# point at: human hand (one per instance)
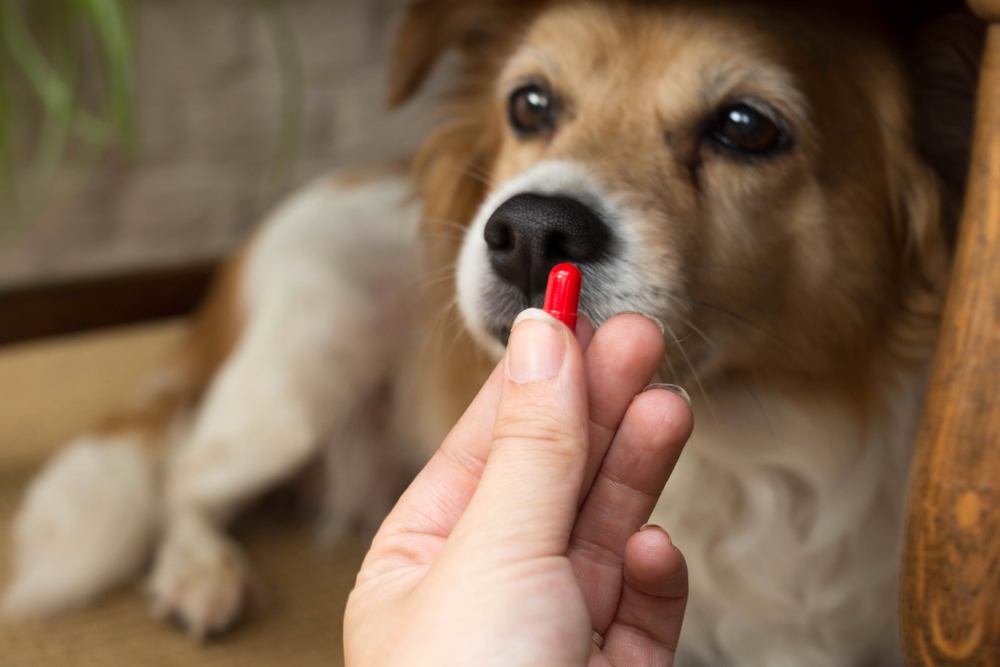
(520, 538)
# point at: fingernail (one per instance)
(583, 315)
(671, 388)
(652, 319)
(536, 347)
(653, 526)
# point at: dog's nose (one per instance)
(529, 234)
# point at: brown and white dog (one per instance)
(748, 176)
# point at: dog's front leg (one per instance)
(315, 348)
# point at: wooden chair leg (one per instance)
(950, 588)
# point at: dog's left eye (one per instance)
(741, 128)
(531, 109)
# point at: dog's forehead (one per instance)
(677, 51)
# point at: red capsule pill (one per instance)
(562, 295)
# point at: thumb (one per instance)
(525, 504)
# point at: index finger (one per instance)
(620, 361)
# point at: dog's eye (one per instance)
(742, 128)
(531, 110)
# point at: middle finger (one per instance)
(632, 475)
(620, 360)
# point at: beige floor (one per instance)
(53, 389)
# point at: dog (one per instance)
(764, 181)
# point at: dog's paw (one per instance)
(200, 579)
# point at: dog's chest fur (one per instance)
(789, 513)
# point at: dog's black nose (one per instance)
(529, 234)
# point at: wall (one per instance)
(210, 107)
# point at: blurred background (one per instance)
(140, 142)
(140, 135)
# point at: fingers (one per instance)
(647, 625)
(440, 493)
(620, 360)
(584, 330)
(526, 501)
(628, 484)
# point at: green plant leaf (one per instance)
(292, 90)
(111, 24)
(22, 47)
(8, 184)
(54, 79)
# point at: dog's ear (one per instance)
(944, 71)
(432, 27)
(916, 197)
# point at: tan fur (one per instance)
(881, 301)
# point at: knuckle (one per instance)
(547, 434)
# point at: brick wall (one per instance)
(210, 109)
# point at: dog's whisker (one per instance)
(704, 337)
(484, 173)
(670, 367)
(458, 327)
(688, 322)
(453, 330)
(445, 235)
(438, 276)
(450, 266)
(434, 325)
(482, 176)
(758, 403)
(744, 381)
(433, 282)
(694, 373)
(727, 313)
(446, 222)
(678, 342)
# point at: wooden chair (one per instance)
(950, 588)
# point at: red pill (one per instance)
(562, 295)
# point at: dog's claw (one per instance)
(202, 581)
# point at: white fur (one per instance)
(86, 526)
(326, 306)
(789, 514)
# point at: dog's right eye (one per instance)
(531, 109)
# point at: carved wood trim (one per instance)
(950, 588)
